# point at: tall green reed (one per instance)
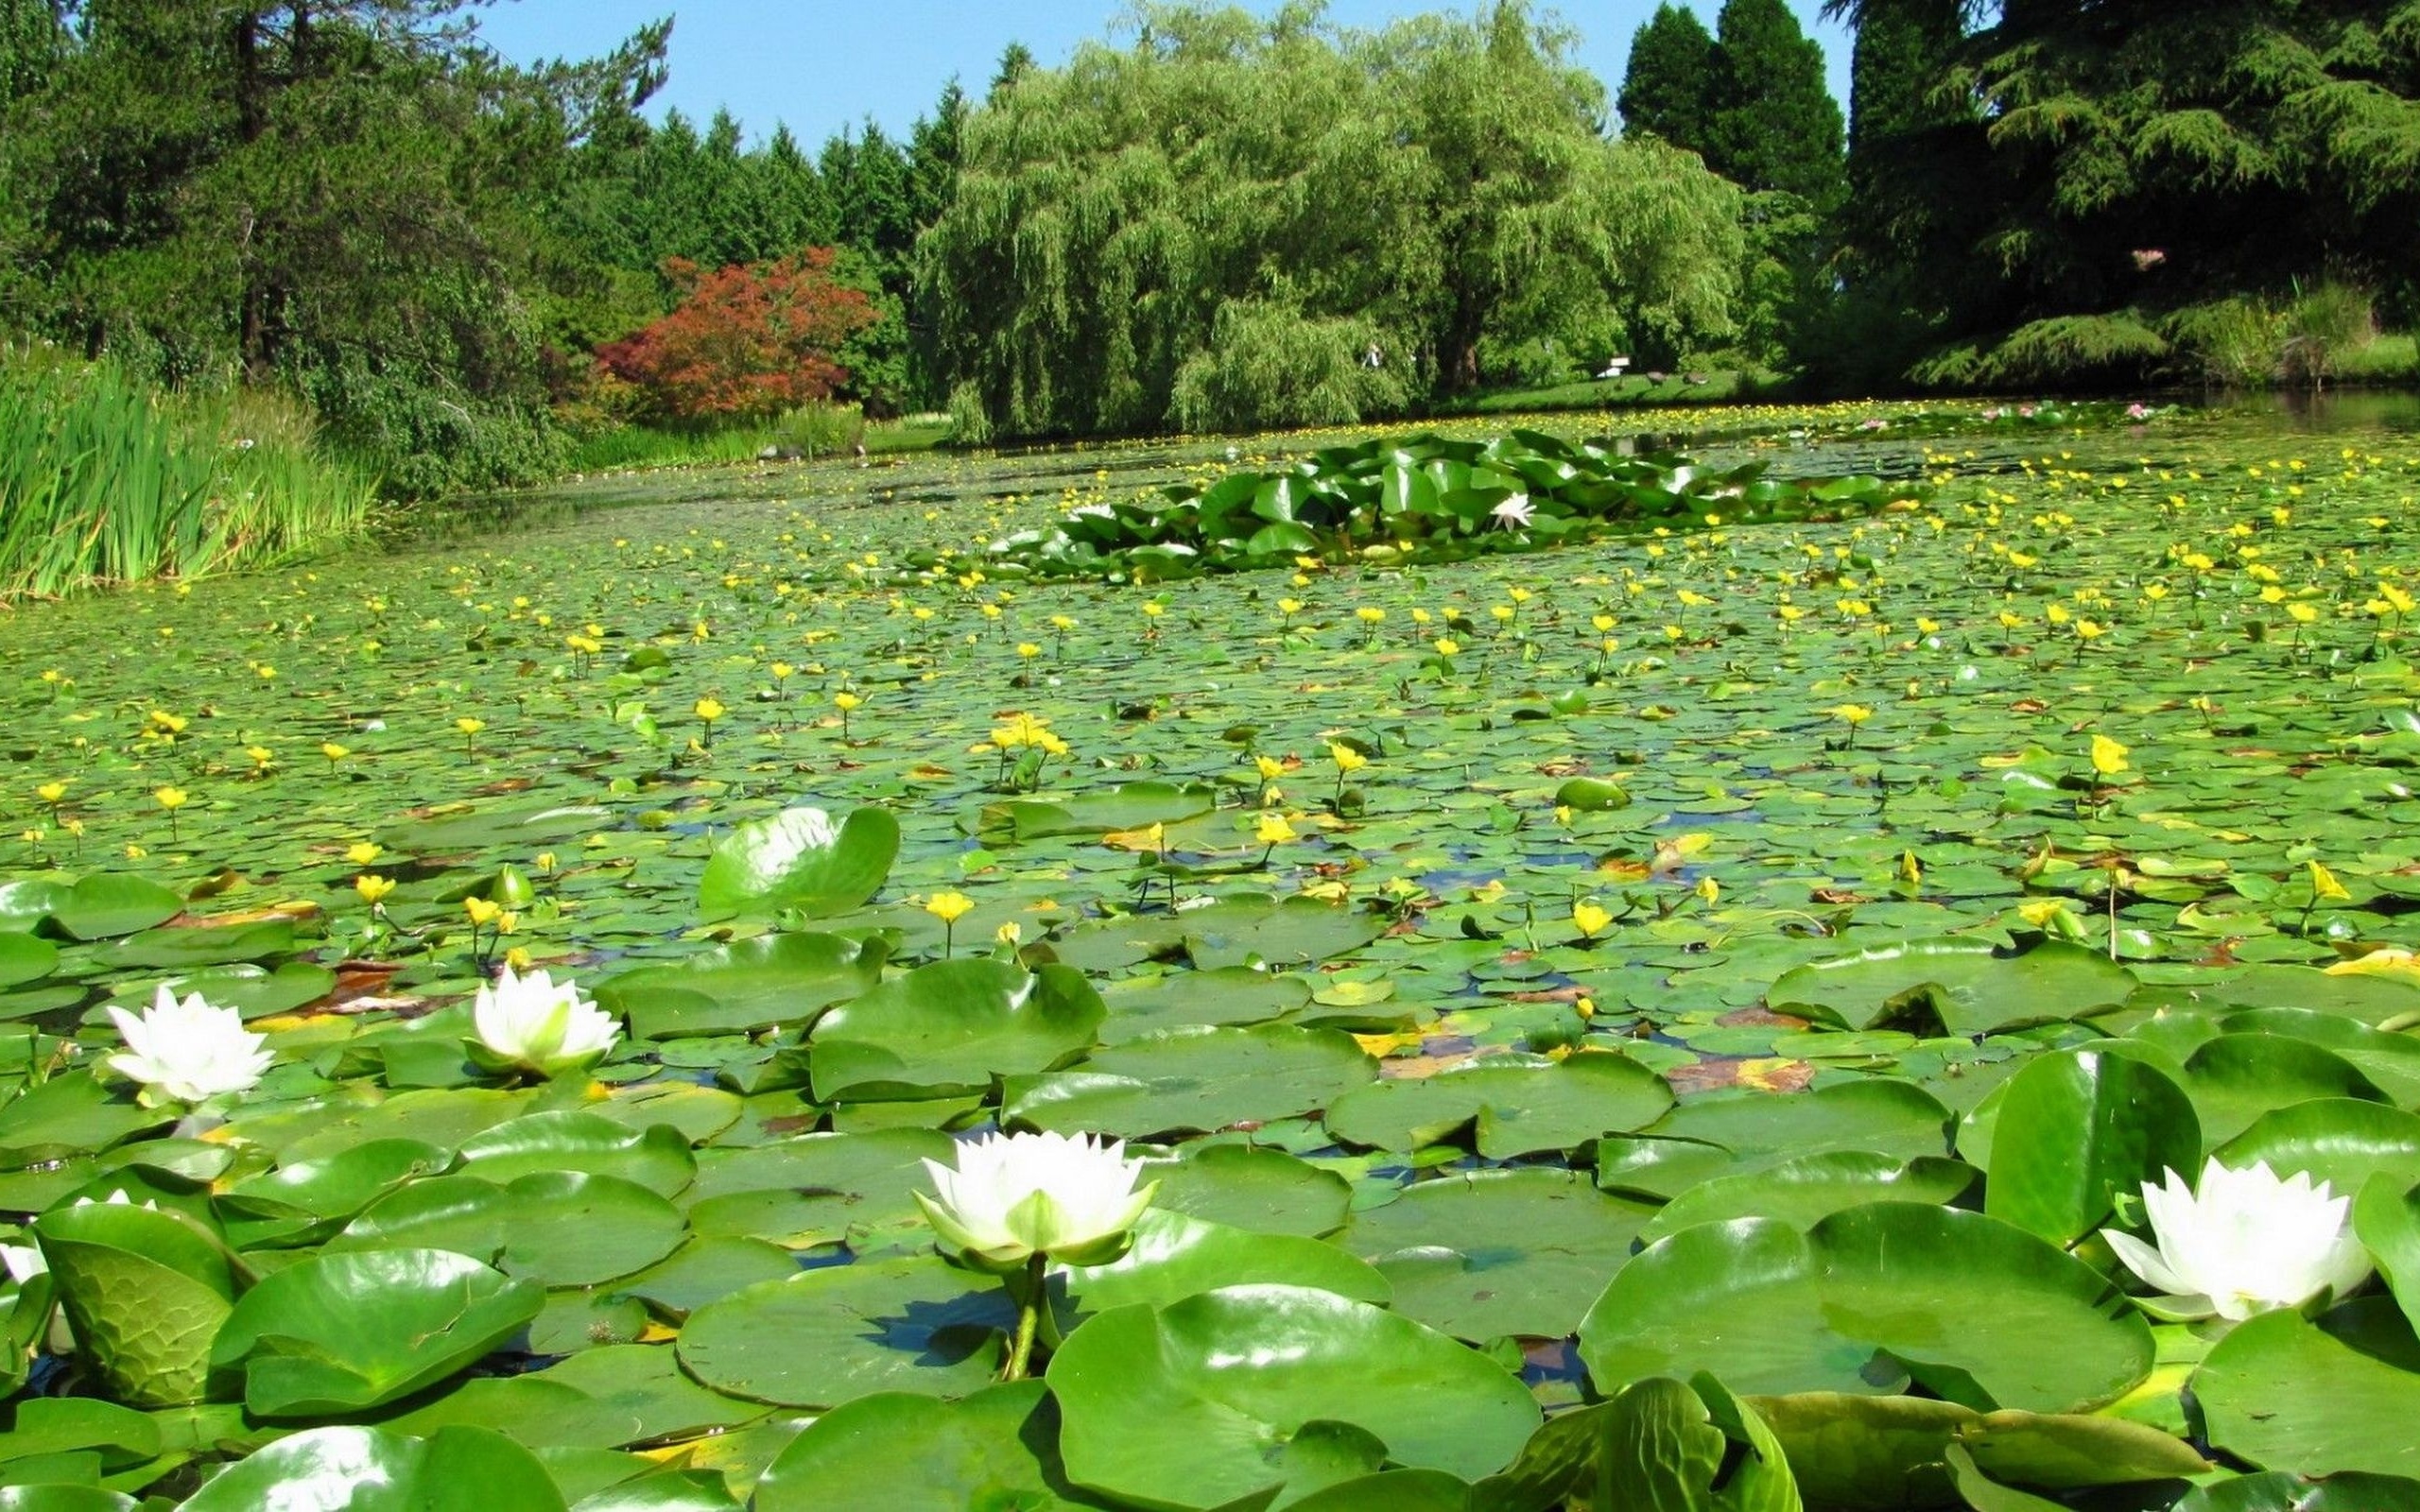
(105, 479)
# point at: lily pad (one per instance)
(367, 1469)
(342, 1332)
(1486, 1254)
(2283, 1393)
(1967, 987)
(1204, 1078)
(2077, 1130)
(1804, 1191)
(1172, 1257)
(1522, 1105)
(802, 861)
(1866, 1301)
(1731, 1133)
(947, 1029)
(746, 985)
(1173, 1407)
(562, 1228)
(824, 1337)
(911, 1453)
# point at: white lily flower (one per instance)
(1017, 1196)
(542, 1025)
(24, 1262)
(2244, 1243)
(1515, 513)
(190, 1050)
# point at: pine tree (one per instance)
(1669, 88)
(1775, 126)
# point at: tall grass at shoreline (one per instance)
(105, 479)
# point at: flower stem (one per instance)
(1030, 1299)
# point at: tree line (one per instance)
(1209, 220)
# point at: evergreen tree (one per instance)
(1016, 60)
(1668, 87)
(1775, 126)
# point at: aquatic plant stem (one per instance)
(1030, 1299)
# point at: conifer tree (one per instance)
(1668, 87)
(1776, 125)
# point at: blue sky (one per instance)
(823, 64)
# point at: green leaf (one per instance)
(1866, 1300)
(1965, 985)
(947, 1029)
(1862, 1451)
(2277, 1491)
(800, 860)
(824, 1337)
(146, 1291)
(1484, 1254)
(26, 959)
(561, 1228)
(2283, 1393)
(1172, 1257)
(746, 985)
(1193, 1079)
(106, 904)
(1692, 1447)
(1172, 1406)
(342, 1333)
(1810, 1188)
(2386, 1217)
(1524, 1104)
(657, 1158)
(2077, 1130)
(1733, 1132)
(911, 1453)
(2341, 1140)
(367, 1469)
(69, 1114)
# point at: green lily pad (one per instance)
(2276, 1492)
(1864, 1301)
(342, 1332)
(746, 985)
(1257, 931)
(1523, 1104)
(1127, 806)
(1487, 1254)
(2341, 1140)
(306, 1201)
(1206, 1078)
(186, 949)
(562, 1228)
(367, 1469)
(1731, 1133)
(802, 861)
(106, 904)
(1261, 1189)
(2283, 1393)
(1172, 1407)
(26, 959)
(1863, 1450)
(1172, 1257)
(147, 1292)
(911, 1453)
(946, 1029)
(1804, 1191)
(657, 1158)
(824, 1337)
(67, 1115)
(2076, 1131)
(816, 1187)
(1965, 985)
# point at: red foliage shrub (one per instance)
(747, 342)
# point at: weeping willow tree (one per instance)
(1235, 222)
(2131, 160)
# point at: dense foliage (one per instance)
(1232, 222)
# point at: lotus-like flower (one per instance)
(2244, 1243)
(537, 1024)
(1515, 513)
(188, 1051)
(1018, 1197)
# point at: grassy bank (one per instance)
(105, 479)
(820, 435)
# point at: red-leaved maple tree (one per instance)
(747, 342)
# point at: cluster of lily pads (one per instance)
(1393, 502)
(1840, 1013)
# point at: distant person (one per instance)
(1373, 357)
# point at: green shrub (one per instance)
(2234, 343)
(2325, 326)
(2066, 350)
(1270, 367)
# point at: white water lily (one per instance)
(1018, 1197)
(24, 1262)
(1515, 513)
(189, 1051)
(2245, 1241)
(540, 1024)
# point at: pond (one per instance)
(1564, 986)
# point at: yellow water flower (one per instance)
(51, 792)
(1348, 761)
(2108, 756)
(482, 911)
(1590, 919)
(2324, 885)
(709, 710)
(374, 889)
(1273, 829)
(171, 798)
(949, 907)
(362, 852)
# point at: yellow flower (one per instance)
(362, 852)
(2324, 887)
(1028, 650)
(334, 751)
(171, 798)
(1589, 919)
(1269, 768)
(1856, 713)
(949, 907)
(51, 792)
(1709, 889)
(1369, 614)
(1289, 607)
(847, 702)
(2108, 756)
(1446, 646)
(470, 725)
(481, 911)
(374, 889)
(709, 710)
(781, 671)
(1273, 829)
(1347, 760)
